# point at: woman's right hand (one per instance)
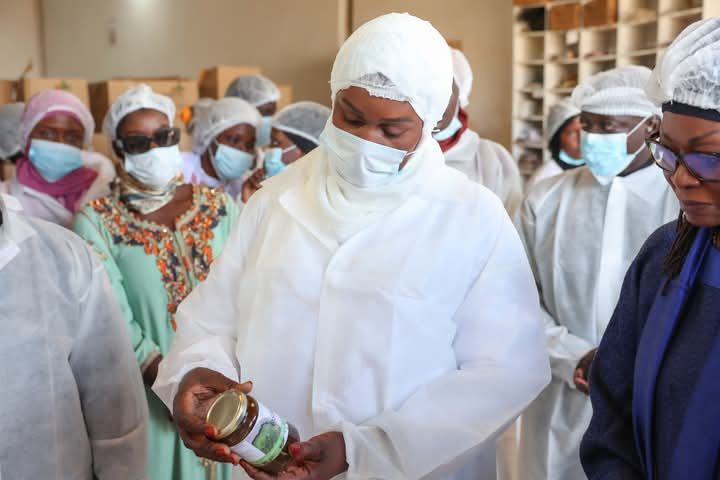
(195, 393)
(252, 184)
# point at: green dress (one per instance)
(152, 269)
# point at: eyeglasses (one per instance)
(703, 166)
(136, 144)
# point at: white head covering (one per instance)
(400, 57)
(134, 99)
(389, 57)
(463, 76)
(689, 71)
(560, 113)
(218, 116)
(620, 91)
(304, 119)
(254, 89)
(10, 116)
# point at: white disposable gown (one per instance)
(72, 403)
(580, 238)
(489, 164)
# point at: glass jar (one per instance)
(258, 435)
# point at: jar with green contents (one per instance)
(256, 434)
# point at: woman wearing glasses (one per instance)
(157, 238)
(55, 177)
(654, 381)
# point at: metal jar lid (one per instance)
(227, 412)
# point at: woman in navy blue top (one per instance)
(655, 381)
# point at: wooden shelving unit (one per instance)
(548, 64)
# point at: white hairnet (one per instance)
(689, 71)
(400, 57)
(198, 108)
(10, 116)
(560, 113)
(134, 99)
(620, 91)
(218, 116)
(304, 119)
(254, 89)
(463, 76)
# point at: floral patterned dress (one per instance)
(152, 269)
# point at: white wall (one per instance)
(485, 29)
(20, 26)
(293, 41)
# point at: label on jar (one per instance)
(266, 439)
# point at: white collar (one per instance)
(14, 229)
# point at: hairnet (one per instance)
(198, 108)
(560, 113)
(620, 91)
(52, 102)
(304, 119)
(689, 71)
(463, 76)
(400, 57)
(257, 90)
(134, 99)
(218, 116)
(10, 116)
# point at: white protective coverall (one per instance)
(483, 161)
(72, 403)
(581, 238)
(404, 316)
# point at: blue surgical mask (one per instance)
(262, 136)
(606, 153)
(568, 159)
(449, 131)
(54, 160)
(231, 163)
(273, 160)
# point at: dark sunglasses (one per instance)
(703, 166)
(136, 144)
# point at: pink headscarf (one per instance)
(70, 188)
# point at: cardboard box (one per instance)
(565, 17)
(600, 12)
(27, 87)
(101, 144)
(286, 96)
(8, 91)
(213, 82)
(183, 92)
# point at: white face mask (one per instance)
(156, 168)
(360, 162)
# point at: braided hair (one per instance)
(685, 235)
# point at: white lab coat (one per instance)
(581, 238)
(548, 169)
(40, 205)
(418, 337)
(489, 164)
(72, 403)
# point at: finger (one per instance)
(204, 448)
(310, 451)
(193, 424)
(244, 387)
(253, 472)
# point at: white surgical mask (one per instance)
(156, 168)
(360, 162)
(606, 153)
(262, 134)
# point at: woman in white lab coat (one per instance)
(55, 177)
(376, 298)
